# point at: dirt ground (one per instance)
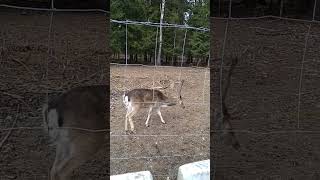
(78, 57)
(156, 150)
(264, 99)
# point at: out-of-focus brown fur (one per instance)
(82, 107)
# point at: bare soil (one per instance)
(277, 115)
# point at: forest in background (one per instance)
(142, 38)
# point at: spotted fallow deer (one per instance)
(76, 124)
(153, 99)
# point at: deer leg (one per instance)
(60, 153)
(159, 113)
(231, 138)
(65, 167)
(72, 163)
(129, 109)
(76, 153)
(126, 123)
(148, 118)
(63, 154)
(133, 111)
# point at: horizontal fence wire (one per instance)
(104, 130)
(281, 30)
(267, 64)
(166, 25)
(267, 133)
(168, 135)
(266, 17)
(186, 103)
(160, 66)
(158, 135)
(61, 128)
(53, 9)
(157, 157)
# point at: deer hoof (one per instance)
(147, 125)
(164, 122)
(132, 131)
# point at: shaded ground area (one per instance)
(78, 56)
(266, 97)
(160, 148)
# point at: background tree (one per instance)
(142, 39)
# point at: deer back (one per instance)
(82, 107)
(146, 96)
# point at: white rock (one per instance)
(142, 175)
(199, 170)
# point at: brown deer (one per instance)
(153, 99)
(76, 123)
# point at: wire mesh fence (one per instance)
(275, 84)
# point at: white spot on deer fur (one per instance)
(54, 132)
(129, 106)
(125, 100)
(53, 118)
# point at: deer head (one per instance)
(173, 85)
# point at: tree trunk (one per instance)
(160, 33)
